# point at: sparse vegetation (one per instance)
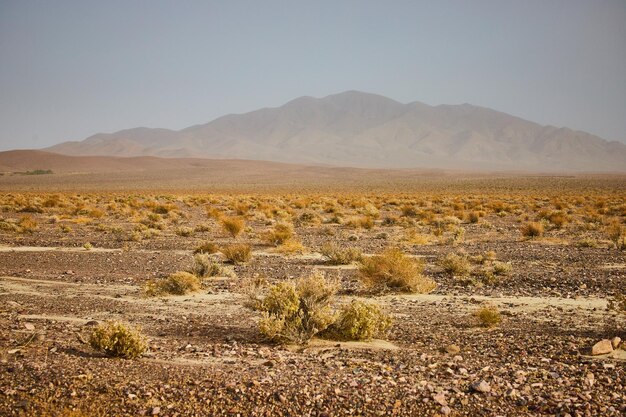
(233, 225)
(207, 247)
(359, 320)
(532, 229)
(281, 233)
(118, 340)
(237, 253)
(393, 270)
(488, 316)
(458, 265)
(340, 256)
(178, 283)
(295, 311)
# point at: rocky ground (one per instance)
(207, 357)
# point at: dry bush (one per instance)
(473, 217)
(557, 219)
(178, 283)
(279, 234)
(294, 311)
(237, 253)
(532, 229)
(412, 237)
(206, 247)
(290, 247)
(617, 234)
(501, 268)
(184, 231)
(409, 210)
(393, 270)
(359, 321)
(204, 267)
(309, 217)
(458, 265)
(232, 225)
(338, 256)
(488, 316)
(27, 224)
(363, 222)
(587, 243)
(118, 340)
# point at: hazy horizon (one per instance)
(72, 69)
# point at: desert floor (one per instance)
(73, 259)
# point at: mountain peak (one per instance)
(355, 128)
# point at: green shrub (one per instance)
(237, 253)
(339, 256)
(179, 283)
(118, 340)
(360, 321)
(393, 270)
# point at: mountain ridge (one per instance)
(371, 131)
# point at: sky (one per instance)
(70, 69)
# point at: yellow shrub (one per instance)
(394, 270)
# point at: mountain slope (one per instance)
(367, 130)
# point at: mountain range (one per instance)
(366, 130)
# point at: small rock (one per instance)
(156, 411)
(445, 410)
(603, 347)
(452, 349)
(29, 326)
(440, 399)
(616, 341)
(481, 386)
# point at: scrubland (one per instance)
(458, 297)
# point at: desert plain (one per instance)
(542, 257)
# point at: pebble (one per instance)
(603, 347)
(481, 386)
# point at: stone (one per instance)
(440, 399)
(481, 386)
(29, 326)
(603, 347)
(156, 411)
(445, 410)
(616, 341)
(452, 349)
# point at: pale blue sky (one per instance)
(69, 69)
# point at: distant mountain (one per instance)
(367, 130)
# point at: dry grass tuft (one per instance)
(237, 253)
(359, 321)
(532, 229)
(338, 256)
(294, 311)
(393, 270)
(118, 340)
(179, 283)
(233, 225)
(488, 316)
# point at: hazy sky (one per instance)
(69, 69)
